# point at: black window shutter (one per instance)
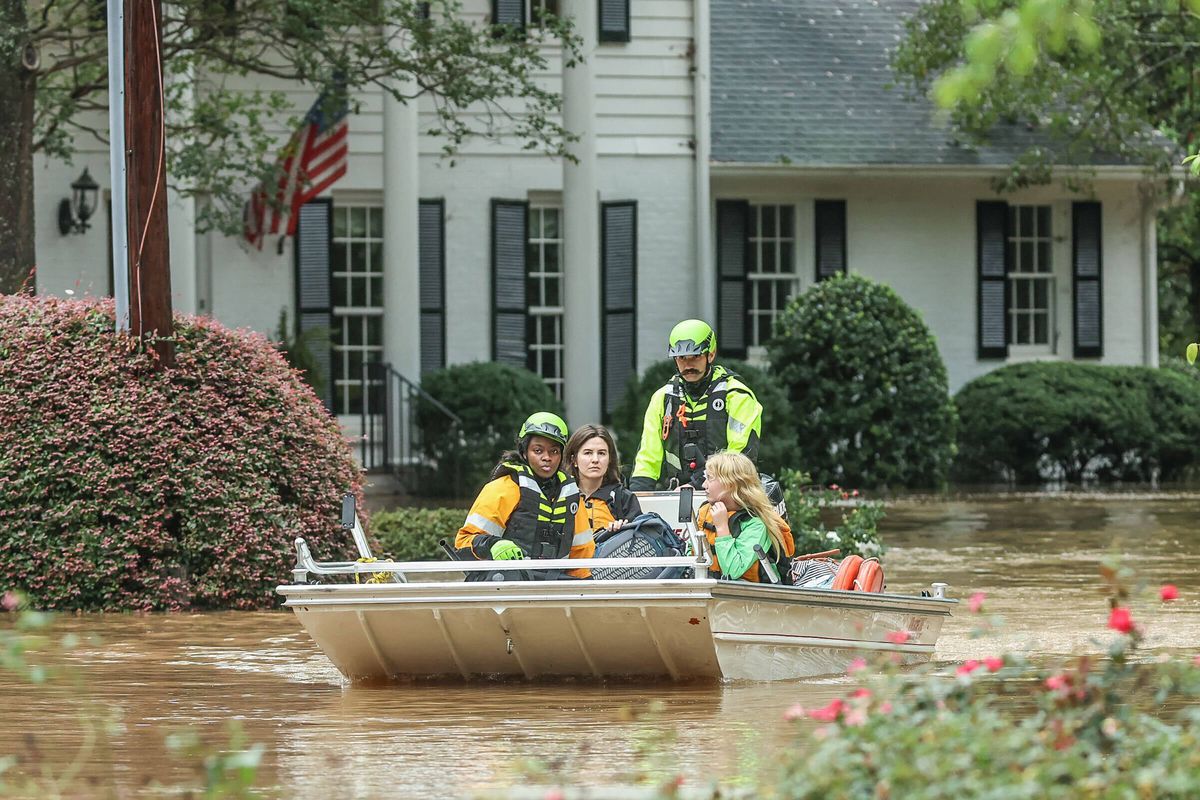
(614, 20)
(314, 306)
(510, 13)
(509, 221)
(432, 258)
(618, 310)
(830, 237)
(1086, 267)
(991, 234)
(733, 262)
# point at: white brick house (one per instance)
(733, 152)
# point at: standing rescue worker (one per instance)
(702, 410)
(528, 508)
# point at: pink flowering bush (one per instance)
(1095, 727)
(126, 487)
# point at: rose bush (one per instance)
(1001, 726)
(127, 487)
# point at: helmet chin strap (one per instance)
(700, 386)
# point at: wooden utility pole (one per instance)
(145, 154)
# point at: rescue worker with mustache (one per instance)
(702, 410)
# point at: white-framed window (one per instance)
(537, 8)
(544, 294)
(772, 278)
(1030, 279)
(356, 261)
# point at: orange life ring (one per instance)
(870, 576)
(847, 572)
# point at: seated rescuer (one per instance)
(704, 409)
(528, 508)
(742, 516)
(592, 459)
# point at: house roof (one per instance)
(809, 82)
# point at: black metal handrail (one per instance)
(391, 436)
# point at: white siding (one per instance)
(918, 236)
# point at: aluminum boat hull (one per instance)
(674, 629)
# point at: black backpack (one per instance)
(645, 536)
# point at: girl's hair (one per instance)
(575, 444)
(740, 476)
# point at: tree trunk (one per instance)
(17, 86)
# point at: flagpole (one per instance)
(116, 161)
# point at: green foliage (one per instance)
(412, 534)
(1002, 727)
(133, 488)
(1108, 77)
(1027, 422)
(299, 348)
(222, 133)
(857, 528)
(226, 770)
(1178, 276)
(491, 401)
(1098, 75)
(867, 386)
(777, 449)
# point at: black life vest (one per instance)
(704, 423)
(541, 526)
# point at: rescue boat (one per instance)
(423, 621)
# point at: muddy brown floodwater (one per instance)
(1036, 557)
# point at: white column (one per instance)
(401, 194)
(181, 222)
(706, 278)
(1150, 206)
(581, 227)
(181, 215)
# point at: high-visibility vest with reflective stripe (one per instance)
(707, 420)
(543, 527)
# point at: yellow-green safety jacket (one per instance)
(726, 417)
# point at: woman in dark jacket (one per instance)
(605, 504)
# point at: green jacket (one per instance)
(726, 417)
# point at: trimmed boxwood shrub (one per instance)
(1024, 423)
(867, 385)
(126, 487)
(777, 450)
(412, 534)
(491, 400)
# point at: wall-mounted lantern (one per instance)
(74, 213)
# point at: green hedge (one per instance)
(867, 386)
(1062, 420)
(412, 534)
(491, 400)
(126, 487)
(778, 450)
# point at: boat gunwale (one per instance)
(655, 592)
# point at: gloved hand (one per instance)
(505, 550)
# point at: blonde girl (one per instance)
(739, 516)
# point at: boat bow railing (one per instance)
(306, 565)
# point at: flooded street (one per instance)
(1036, 557)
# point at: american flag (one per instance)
(312, 161)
